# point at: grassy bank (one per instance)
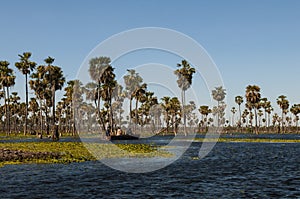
(254, 140)
(77, 152)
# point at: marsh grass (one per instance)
(253, 140)
(78, 152)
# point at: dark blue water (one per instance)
(231, 170)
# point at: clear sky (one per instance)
(251, 42)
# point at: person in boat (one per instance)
(119, 131)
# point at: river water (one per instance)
(231, 170)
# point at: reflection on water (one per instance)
(231, 170)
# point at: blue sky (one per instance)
(251, 42)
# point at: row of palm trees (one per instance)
(45, 80)
(99, 103)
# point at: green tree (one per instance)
(108, 85)
(133, 82)
(175, 112)
(54, 78)
(219, 95)
(204, 111)
(25, 66)
(184, 74)
(167, 107)
(97, 67)
(295, 109)
(233, 111)
(42, 92)
(284, 106)
(253, 101)
(239, 100)
(7, 79)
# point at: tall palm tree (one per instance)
(73, 99)
(295, 109)
(133, 81)
(175, 112)
(15, 109)
(97, 67)
(34, 109)
(219, 95)
(41, 91)
(119, 96)
(139, 94)
(204, 111)
(166, 106)
(239, 100)
(7, 79)
(253, 98)
(185, 75)
(108, 85)
(269, 110)
(25, 66)
(284, 106)
(233, 111)
(55, 79)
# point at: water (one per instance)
(231, 170)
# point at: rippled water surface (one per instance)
(231, 170)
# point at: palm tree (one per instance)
(15, 109)
(73, 99)
(185, 75)
(33, 108)
(25, 66)
(175, 112)
(108, 85)
(55, 79)
(166, 106)
(233, 111)
(219, 95)
(132, 81)
(284, 106)
(119, 96)
(41, 91)
(7, 80)
(239, 100)
(97, 67)
(204, 111)
(139, 94)
(295, 109)
(253, 99)
(269, 110)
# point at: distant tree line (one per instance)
(100, 103)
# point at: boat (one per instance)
(124, 137)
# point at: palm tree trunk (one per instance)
(72, 111)
(111, 117)
(8, 112)
(218, 117)
(130, 109)
(136, 112)
(41, 116)
(26, 108)
(120, 115)
(256, 128)
(53, 113)
(240, 115)
(183, 111)
(282, 121)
